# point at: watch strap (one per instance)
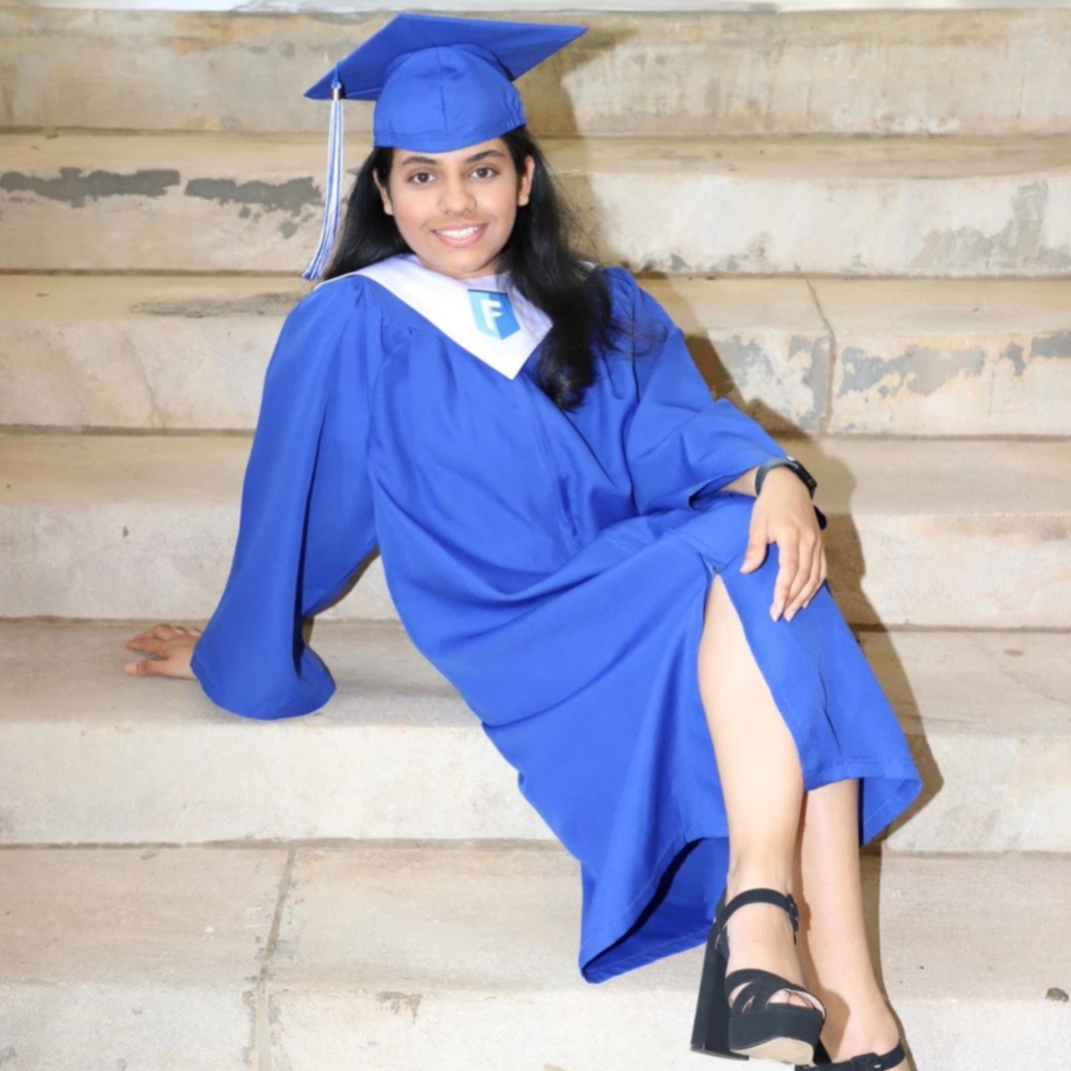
(788, 462)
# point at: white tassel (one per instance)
(333, 196)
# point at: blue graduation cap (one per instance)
(439, 83)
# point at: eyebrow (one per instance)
(434, 163)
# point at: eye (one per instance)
(489, 172)
(413, 178)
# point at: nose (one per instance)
(456, 199)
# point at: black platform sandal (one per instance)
(868, 1062)
(751, 1025)
(710, 1032)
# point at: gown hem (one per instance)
(871, 824)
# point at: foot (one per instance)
(760, 936)
(869, 1030)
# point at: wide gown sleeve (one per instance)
(681, 443)
(306, 519)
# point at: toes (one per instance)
(784, 997)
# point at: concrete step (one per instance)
(98, 756)
(960, 357)
(911, 206)
(962, 533)
(644, 73)
(135, 958)
(410, 957)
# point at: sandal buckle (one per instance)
(794, 913)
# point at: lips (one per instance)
(458, 237)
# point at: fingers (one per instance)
(151, 639)
(144, 667)
(801, 574)
(812, 582)
(159, 642)
(163, 631)
(755, 554)
(788, 553)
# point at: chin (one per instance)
(463, 261)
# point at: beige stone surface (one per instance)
(964, 533)
(179, 352)
(913, 206)
(106, 757)
(140, 957)
(148, 759)
(655, 72)
(150, 353)
(955, 357)
(451, 958)
(906, 357)
(406, 957)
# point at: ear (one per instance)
(384, 195)
(524, 193)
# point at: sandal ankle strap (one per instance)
(762, 896)
(867, 1062)
(872, 1062)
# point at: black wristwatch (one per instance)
(793, 464)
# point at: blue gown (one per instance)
(554, 567)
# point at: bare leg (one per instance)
(763, 788)
(835, 949)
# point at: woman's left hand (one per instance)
(784, 514)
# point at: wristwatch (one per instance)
(793, 464)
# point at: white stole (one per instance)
(481, 315)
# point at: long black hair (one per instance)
(543, 264)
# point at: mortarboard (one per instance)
(439, 83)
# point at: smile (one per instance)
(459, 236)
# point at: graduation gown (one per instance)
(554, 567)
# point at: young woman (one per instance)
(616, 571)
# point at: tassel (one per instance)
(333, 195)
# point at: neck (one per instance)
(486, 272)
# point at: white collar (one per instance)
(458, 308)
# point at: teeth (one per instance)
(468, 232)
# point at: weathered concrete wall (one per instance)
(820, 356)
(875, 72)
(423, 955)
(982, 709)
(836, 206)
(99, 530)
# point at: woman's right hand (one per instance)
(172, 647)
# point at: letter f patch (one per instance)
(494, 313)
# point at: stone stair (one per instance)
(458, 955)
(860, 219)
(818, 204)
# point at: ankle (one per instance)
(758, 874)
(872, 1029)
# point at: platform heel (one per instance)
(710, 1031)
(756, 1027)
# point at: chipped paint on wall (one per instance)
(1018, 243)
(201, 309)
(75, 188)
(919, 369)
(293, 197)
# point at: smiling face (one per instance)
(456, 210)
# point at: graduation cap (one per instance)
(440, 83)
